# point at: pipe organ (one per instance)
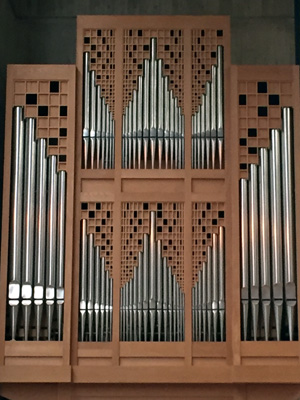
(150, 210)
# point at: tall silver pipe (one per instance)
(170, 302)
(97, 291)
(16, 211)
(129, 134)
(130, 304)
(134, 127)
(159, 288)
(174, 307)
(146, 284)
(199, 299)
(254, 246)
(61, 226)
(135, 304)
(203, 130)
(264, 199)
(221, 247)
(140, 120)
(110, 307)
(167, 120)
(213, 110)
(83, 277)
(194, 317)
(208, 123)
(153, 98)
(215, 285)
(146, 109)
(107, 136)
(172, 127)
(153, 273)
(276, 224)
(220, 103)
(40, 237)
(288, 218)
(194, 149)
(29, 210)
(176, 132)
(93, 115)
(98, 125)
(126, 298)
(103, 131)
(140, 293)
(161, 104)
(86, 107)
(165, 297)
(124, 123)
(204, 301)
(90, 283)
(51, 241)
(107, 308)
(209, 293)
(244, 255)
(102, 300)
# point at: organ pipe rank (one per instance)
(98, 123)
(208, 294)
(268, 262)
(208, 121)
(37, 234)
(152, 302)
(96, 292)
(153, 121)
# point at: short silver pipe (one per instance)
(245, 266)
(220, 104)
(254, 261)
(83, 278)
(166, 120)
(90, 285)
(264, 222)
(51, 241)
(93, 115)
(40, 236)
(146, 109)
(86, 107)
(221, 247)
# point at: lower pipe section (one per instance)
(96, 292)
(208, 294)
(268, 290)
(152, 301)
(36, 279)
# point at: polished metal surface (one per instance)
(159, 120)
(152, 301)
(268, 224)
(98, 123)
(36, 242)
(96, 291)
(208, 121)
(208, 293)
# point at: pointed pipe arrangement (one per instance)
(152, 301)
(98, 124)
(96, 301)
(154, 118)
(208, 294)
(268, 266)
(208, 121)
